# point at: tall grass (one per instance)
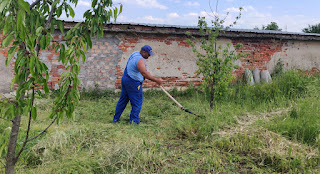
(290, 85)
(301, 124)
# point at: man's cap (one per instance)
(148, 49)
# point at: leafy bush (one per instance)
(278, 69)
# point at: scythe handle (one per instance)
(172, 98)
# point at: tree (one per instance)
(312, 29)
(28, 28)
(271, 26)
(214, 62)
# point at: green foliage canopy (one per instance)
(29, 28)
(312, 29)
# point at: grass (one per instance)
(244, 133)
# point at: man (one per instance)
(131, 84)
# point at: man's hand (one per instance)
(159, 80)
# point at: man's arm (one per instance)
(146, 74)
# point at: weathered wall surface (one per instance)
(174, 59)
(5, 72)
(5, 75)
(265, 54)
(302, 55)
(99, 69)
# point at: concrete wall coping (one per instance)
(181, 30)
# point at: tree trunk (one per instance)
(211, 95)
(12, 145)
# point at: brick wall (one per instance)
(174, 59)
(260, 52)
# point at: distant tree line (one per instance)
(312, 29)
(271, 26)
(274, 26)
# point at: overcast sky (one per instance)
(290, 15)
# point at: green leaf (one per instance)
(10, 54)
(48, 40)
(61, 26)
(39, 31)
(120, 9)
(52, 114)
(22, 33)
(46, 88)
(10, 112)
(55, 3)
(24, 5)
(12, 82)
(115, 14)
(70, 51)
(62, 55)
(71, 11)
(7, 40)
(57, 48)
(34, 112)
(21, 19)
(47, 76)
(43, 42)
(59, 11)
(84, 46)
(3, 5)
(58, 117)
(83, 56)
(77, 25)
(37, 64)
(94, 3)
(88, 39)
(7, 26)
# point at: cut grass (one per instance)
(235, 137)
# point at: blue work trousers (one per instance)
(131, 90)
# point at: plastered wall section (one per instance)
(302, 55)
(174, 60)
(264, 54)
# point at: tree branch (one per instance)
(34, 4)
(38, 50)
(50, 17)
(28, 130)
(43, 130)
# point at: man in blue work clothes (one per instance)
(131, 84)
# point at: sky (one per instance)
(290, 15)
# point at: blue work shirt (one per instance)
(132, 68)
